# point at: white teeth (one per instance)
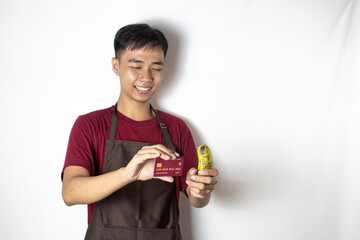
(142, 88)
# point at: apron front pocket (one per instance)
(119, 233)
(110, 232)
(156, 234)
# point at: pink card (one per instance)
(165, 168)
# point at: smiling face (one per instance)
(140, 73)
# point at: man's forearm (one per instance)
(91, 189)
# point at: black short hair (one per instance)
(137, 36)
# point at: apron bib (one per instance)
(141, 210)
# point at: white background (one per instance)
(271, 86)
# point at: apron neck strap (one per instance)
(164, 132)
(114, 120)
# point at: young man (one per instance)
(109, 163)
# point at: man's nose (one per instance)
(146, 75)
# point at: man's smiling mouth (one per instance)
(143, 88)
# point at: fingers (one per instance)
(201, 186)
(200, 190)
(164, 152)
(142, 157)
(198, 195)
(204, 179)
(209, 172)
(141, 166)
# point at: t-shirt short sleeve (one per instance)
(79, 151)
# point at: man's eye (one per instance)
(134, 67)
(157, 69)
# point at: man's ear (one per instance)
(115, 65)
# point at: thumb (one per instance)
(190, 173)
(193, 171)
(166, 179)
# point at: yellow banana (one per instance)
(205, 157)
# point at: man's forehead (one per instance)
(157, 54)
(148, 47)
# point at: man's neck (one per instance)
(137, 111)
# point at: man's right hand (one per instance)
(141, 166)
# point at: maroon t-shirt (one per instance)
(86, 146)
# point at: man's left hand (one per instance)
(201, 186)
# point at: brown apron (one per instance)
(141, 210)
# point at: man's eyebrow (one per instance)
(133, 60)
(159, 63)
